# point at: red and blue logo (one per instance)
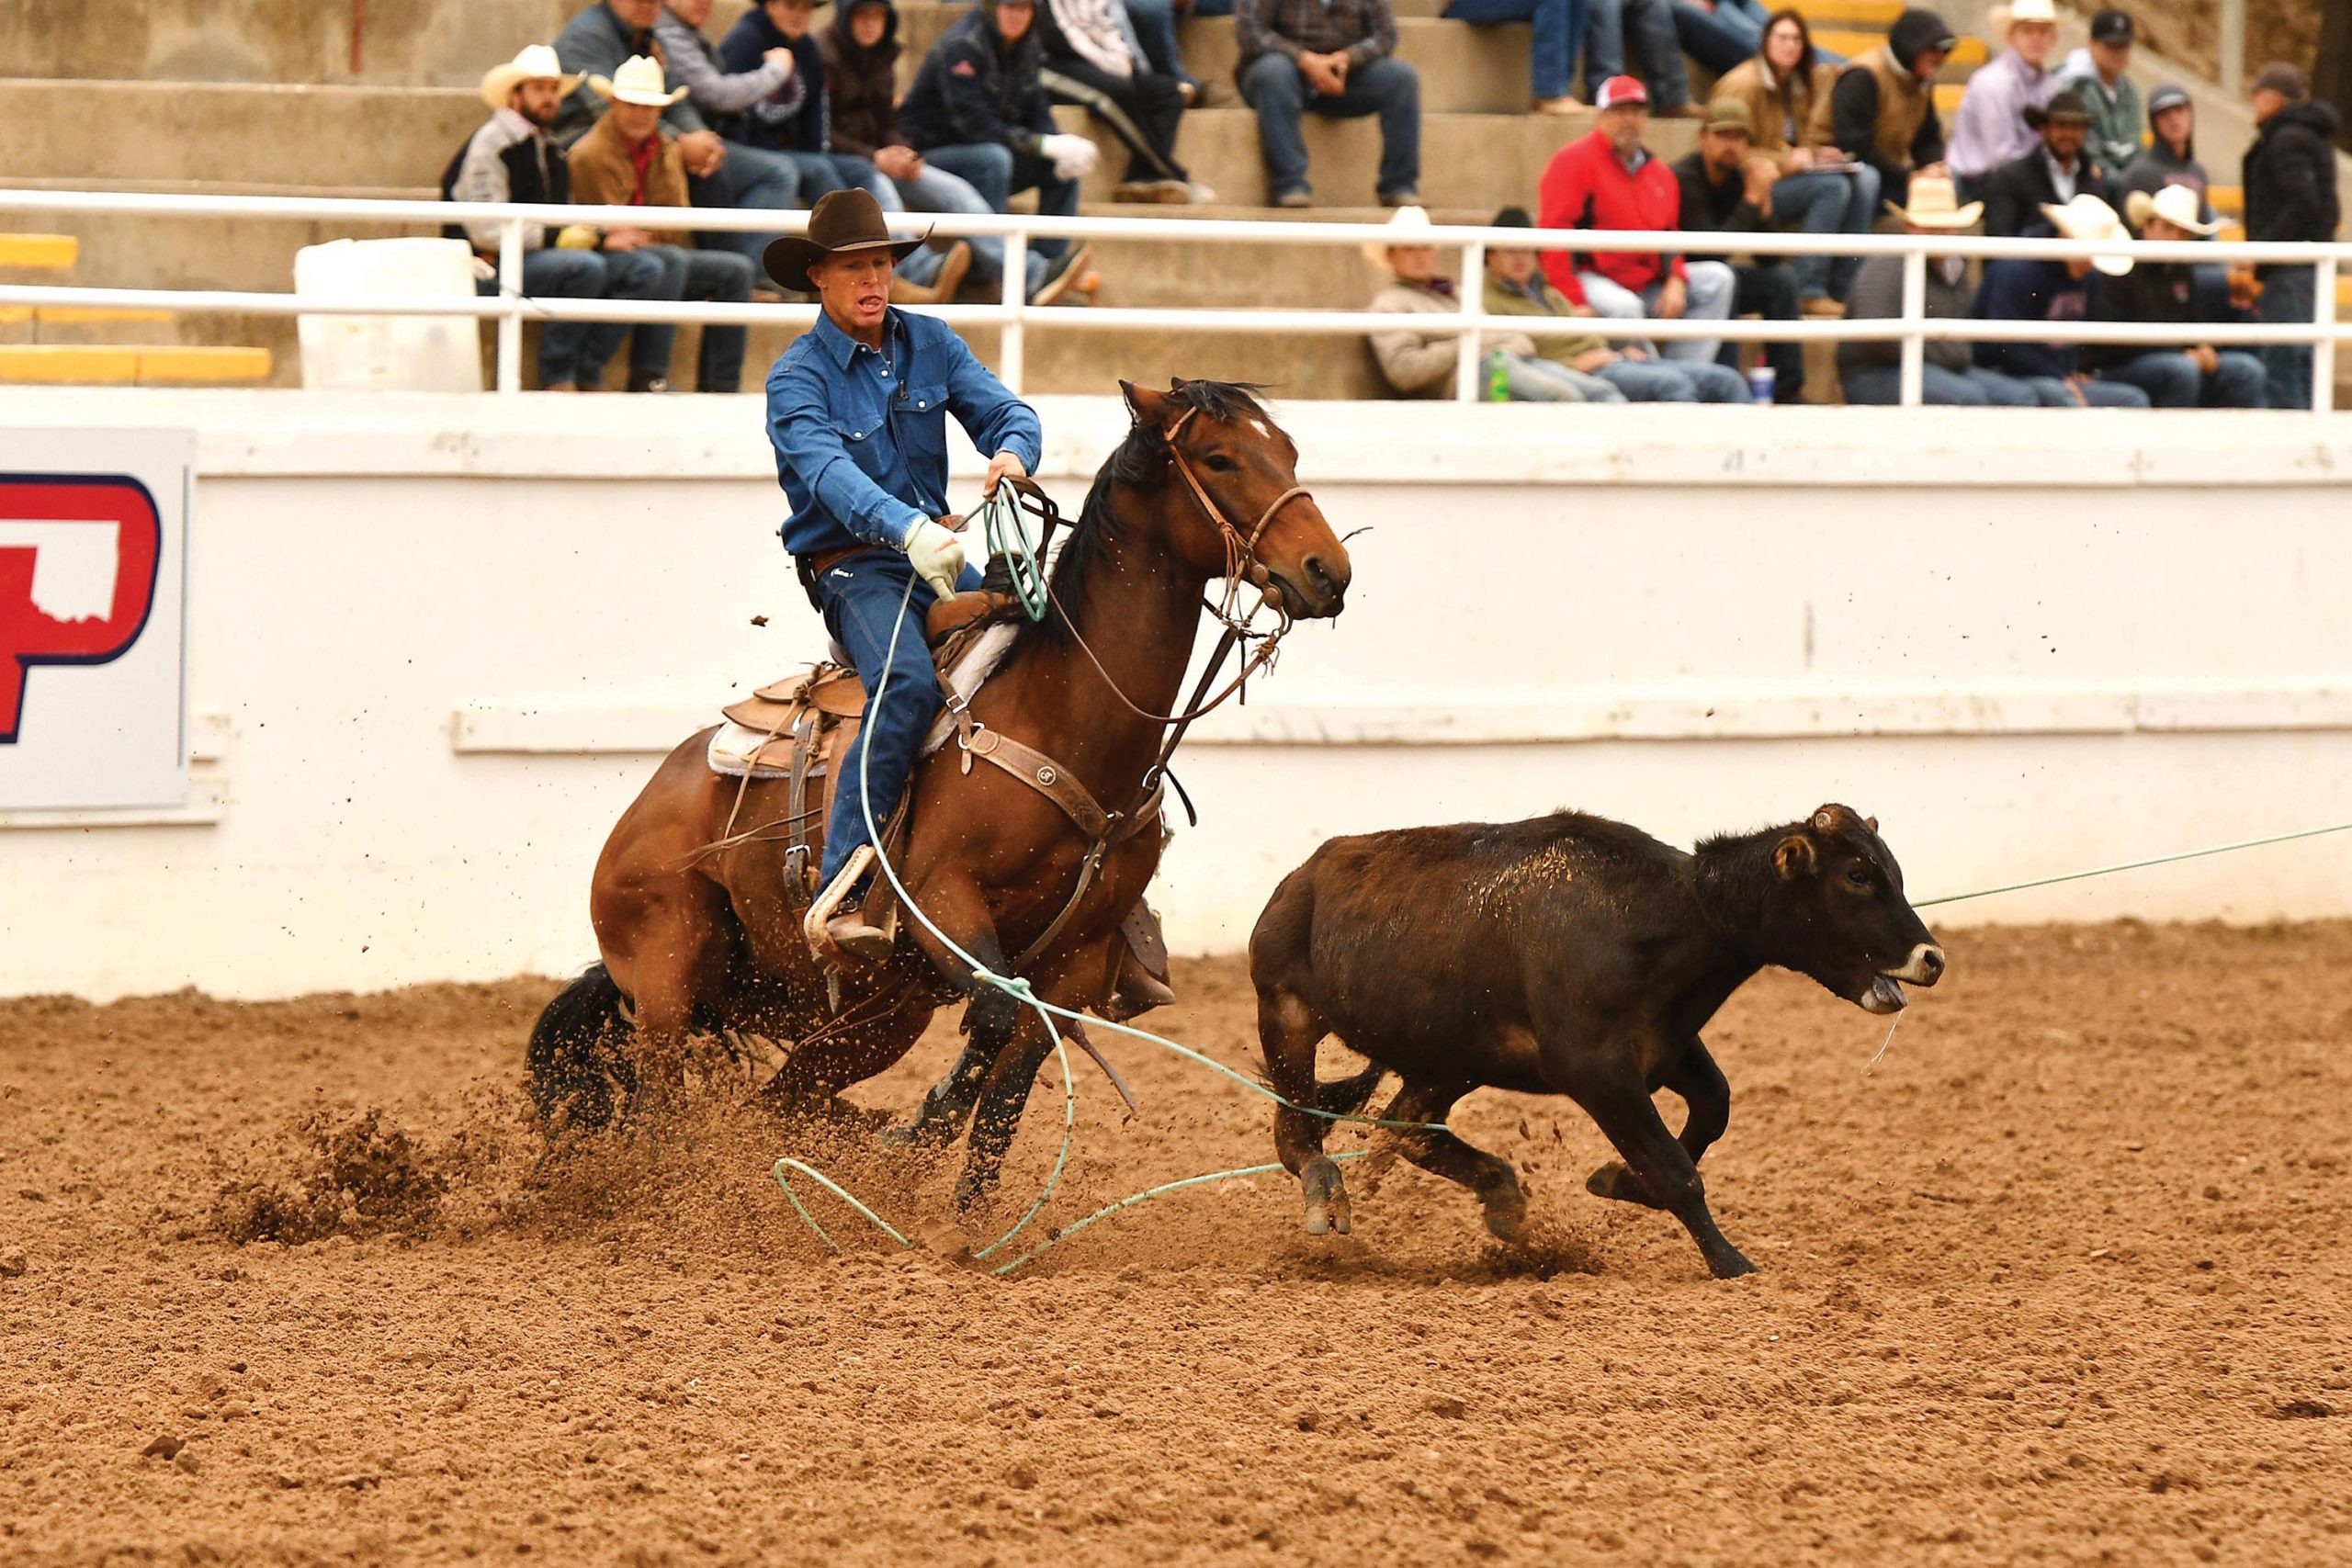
(78, 559)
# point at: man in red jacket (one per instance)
(1607, 180)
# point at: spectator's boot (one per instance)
(1065, 274)
(648, 381)
(942, 290)
(1562, 104)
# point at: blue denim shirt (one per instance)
(861, 438)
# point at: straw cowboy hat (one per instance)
(2001, 18)
(2176, 204)
(1933, 206)
(843, 222)
(536, 64)
(639, 81)
(2088, 218)
(1411, 226)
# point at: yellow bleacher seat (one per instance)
(1878, 14)
(2227, 199)
(63, 315)
(51, 252)
(1969, 53)
(129, 362)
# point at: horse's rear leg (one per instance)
(1288, 1033)
(673, 970)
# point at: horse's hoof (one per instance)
(1507, 1218)
(1615, 1182)
(1327, 1199)
(917, 1136)
(1731, 1265)
(971, 1194)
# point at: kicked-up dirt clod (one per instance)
(2063, 1279)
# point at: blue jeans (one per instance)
(936, 190)
(996, 171)
(1663, 381)
(1648, 27)
(1881, 385)
(575, 352)
(751, 177)
(1819, 202)
(1723, 37)
(2288, 294)
(1388, 87)
(2054, 393)
(1549, 381)
(1154, 22)
(2170, 380)
(1709, 292)
(719, 276)
(861, 598)
(1560, 26)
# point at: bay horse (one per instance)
(697, 931)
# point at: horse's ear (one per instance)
(1148, 407)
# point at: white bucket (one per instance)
(373, 354)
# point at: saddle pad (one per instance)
(736, 748)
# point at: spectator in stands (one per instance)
(1883, 111)
(1516, 286)
(627, 159)
(2096, 72)
(1338, 59)
(512, 159)
(1820, 190)
(2052, 174)
(1090, 62)
(1152, 28)
(2170, 157)
(1559, 28)
(978, 109)
(862, 103)
(1872, 371)
(1609, 180)
(596, 43)
(2200, 376)
(1720, 34)
(2018, 289)
(1996, 122)
(1728, 188)
(2289, 194)
(1648, 27)
(1416, 364)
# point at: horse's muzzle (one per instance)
(1315, 590)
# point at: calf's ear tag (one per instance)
(1825, 819)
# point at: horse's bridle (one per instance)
(1241, 549)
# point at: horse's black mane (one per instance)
(1141, 462)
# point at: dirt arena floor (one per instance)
(2065, 1278)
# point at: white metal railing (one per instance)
(510, 307)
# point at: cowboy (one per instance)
(2052, 174)
(1871, 369)
(511, 158)
(1997, 119)
(626, 161)
(2196, 376)
(858, 408)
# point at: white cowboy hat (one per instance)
(1933, 204)
(2088, 218)
(639, 81)
(2176, 204)
(2003, 17)
(536, 64)
(1411, 226)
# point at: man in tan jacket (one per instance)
(626, 160)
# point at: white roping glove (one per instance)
(1073, 157)
(937, 555)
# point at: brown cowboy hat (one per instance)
(843, 221)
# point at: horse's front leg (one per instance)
(1073, 980)
(989, 1020)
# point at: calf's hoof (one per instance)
(1327, 1198)
(1614, 1181)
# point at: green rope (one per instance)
(1006, 532)
(2133, 865)
(1145, 1196)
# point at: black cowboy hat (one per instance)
(843, 221)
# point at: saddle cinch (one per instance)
(797, 729)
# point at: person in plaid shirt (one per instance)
(1338, 58)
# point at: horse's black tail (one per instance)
(1346, 1096)
(579, 1065)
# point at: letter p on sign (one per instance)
(78, 563)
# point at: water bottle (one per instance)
(1498, 379)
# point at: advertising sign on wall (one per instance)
(93, 589)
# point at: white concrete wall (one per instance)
(437, 644)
